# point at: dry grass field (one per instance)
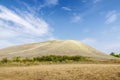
(100, 66)
(62, 72)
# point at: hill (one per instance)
(54, 47)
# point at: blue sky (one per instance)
(94, 22)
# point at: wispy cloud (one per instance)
(111, 17)
(14, 25)
(76, 19)
(67, 8)
(51, 2)
(39, 4)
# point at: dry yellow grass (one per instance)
(62, 72)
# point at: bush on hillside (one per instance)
(27, 60)
(50, 58)
(4, 60)
(16, 59)
(55, 58)
(115, 55)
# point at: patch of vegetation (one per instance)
(115, 55)
(50, 58)
(54, 58)
(4, 60)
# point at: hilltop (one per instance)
(53, 47)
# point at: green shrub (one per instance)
(27, 60)
(16, 59)
(49, 58)
(4, 60)
(55, 58)
(115, 55)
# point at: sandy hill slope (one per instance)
(54, 47)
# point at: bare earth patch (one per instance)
(62, 72)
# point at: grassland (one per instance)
(62, 72)
(68, 60)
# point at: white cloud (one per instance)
(66, 8)
(51, 2)
(14, 25)
(28, 22)
(46, 3)
(76, 19)
(111, 17)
